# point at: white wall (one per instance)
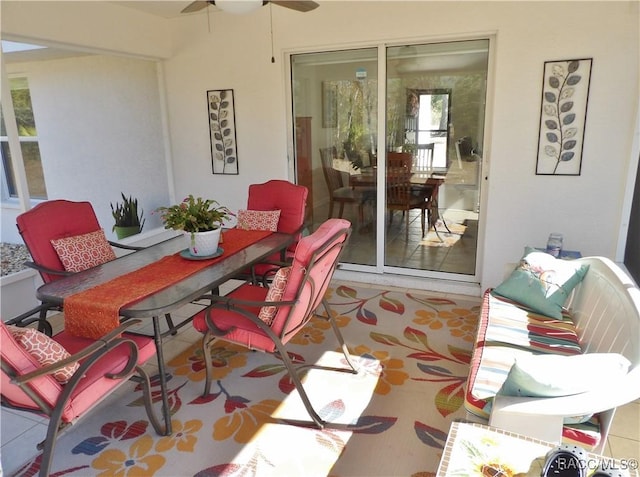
(100, 133)
(521, 208)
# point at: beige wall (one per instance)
(99, 132)
(222, 51)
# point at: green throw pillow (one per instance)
(558, 375)
(542, 282)
(551, 375)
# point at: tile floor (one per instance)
(20, 432)
(413, 252)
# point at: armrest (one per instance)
(543, 417)
(125, 247)
(44, 269)
(103, 344)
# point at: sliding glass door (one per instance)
(406, 174)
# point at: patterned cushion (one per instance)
(83, 251)
(275, 293)
(542, 283)
(45, 350)
(258, 219)
(507, 332)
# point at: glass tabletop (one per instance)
(168, 299)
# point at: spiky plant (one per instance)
(125, 214)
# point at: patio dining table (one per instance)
(166, 297)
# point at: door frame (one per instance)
(395, 276)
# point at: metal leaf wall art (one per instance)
(222, 131)
(565, 93)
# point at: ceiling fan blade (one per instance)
(195, 6)
(298, 5)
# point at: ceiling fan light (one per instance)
(238, 7)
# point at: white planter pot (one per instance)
(202, 244)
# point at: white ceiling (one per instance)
(161, 8)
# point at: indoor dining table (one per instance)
(425, 183)
(157, 303)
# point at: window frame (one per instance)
(9, 189)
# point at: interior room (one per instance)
(144, 99)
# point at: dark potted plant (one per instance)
(125, 215)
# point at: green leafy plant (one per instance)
(194, 215)
(125, 214)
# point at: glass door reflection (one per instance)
(434, 110)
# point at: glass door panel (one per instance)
(429, 160)
(435, 113)
(335, 108)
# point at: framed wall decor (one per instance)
(563, 113)
(329, 104)
(222, 131)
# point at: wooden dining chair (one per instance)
(404, 196)
(266, 319)
(338, 192)
(400, 161)
(64, 377)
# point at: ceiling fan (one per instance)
(245, 6)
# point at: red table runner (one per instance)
(94, 312)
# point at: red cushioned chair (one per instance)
(48, 221)
(236, 317)
(104, 365)
(291, 200)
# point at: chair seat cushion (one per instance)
(508, 332)
(505, 333)
(245, 331)
(94, 383)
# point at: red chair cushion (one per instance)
(245, 331)
(52, 220)
(307, 297)
(91, 389)
(289, 198)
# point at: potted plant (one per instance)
(127, 220)
(200, 219)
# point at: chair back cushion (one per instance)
(290, 199)
(314, 263)
(50, 220)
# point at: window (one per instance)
(28, 137)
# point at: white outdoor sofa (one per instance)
(604, 313)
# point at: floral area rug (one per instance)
(390, 419)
